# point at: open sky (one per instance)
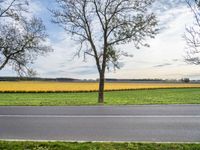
(164, 59)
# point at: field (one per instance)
(95, 146)
(79, 93)
(82, 86)
(154, 96)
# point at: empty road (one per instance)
(161, 123)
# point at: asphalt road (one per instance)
(160, 123)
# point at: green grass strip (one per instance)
(95, 146)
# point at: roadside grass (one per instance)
(156, 96)
(4, 145)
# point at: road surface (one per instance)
(160, 123)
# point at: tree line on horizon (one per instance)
(182, 80)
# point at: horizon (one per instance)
(70, 78)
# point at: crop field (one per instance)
(83, 86)
(82, 93)
(154, 96)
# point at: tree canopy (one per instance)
(100, 25)
(22, 38)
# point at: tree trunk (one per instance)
(101, 88)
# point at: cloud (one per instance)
(194, 76)
(163, 65)
(165, 5)
(62, 63)
(34, 9)
(176, 60)
(84, 70)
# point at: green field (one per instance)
(156, 96)
(94, 146)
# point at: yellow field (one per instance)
(64, 86)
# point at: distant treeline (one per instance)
(36, 79)
(133, 80)
(183, 80)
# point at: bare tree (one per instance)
(21, 39)
(192, 34)
(13, 8)
(100, 25)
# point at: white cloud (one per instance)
(62, 62)
(36, 7)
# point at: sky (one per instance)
(163, 59)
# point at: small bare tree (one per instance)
(100, 25)
(192, 34)
(21, 39)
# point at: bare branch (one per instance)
(192, 36)
(13, 9)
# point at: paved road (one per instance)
(177, 123)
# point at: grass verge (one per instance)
(94, 146)
(156, 96)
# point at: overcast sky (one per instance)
(164, 59)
